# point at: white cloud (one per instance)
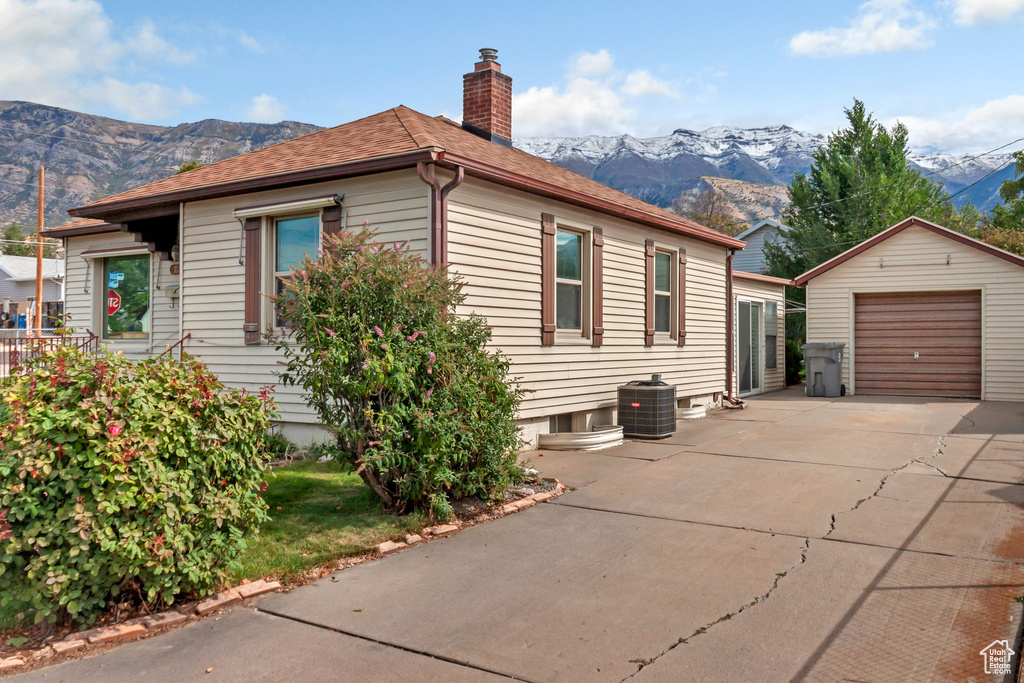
(147, 43)
(265, 109)
(141, 101)
(970, 12)
(592, 64)
(585, 107)
(595, 98)
(985, 127)
(249, 42)
(641, 83)
(880, 26)
(65, 53)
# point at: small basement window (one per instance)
(560, 424)
(126, 306)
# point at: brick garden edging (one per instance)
(150, 625)
(388, 547)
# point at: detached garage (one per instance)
(924, 311)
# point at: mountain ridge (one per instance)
(89, 157)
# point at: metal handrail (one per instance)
(180, 344)
(15, 351)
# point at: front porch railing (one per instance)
(16, 350)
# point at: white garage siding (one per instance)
(494, 242)
(915, 260)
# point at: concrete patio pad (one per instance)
(901, 418)
(941, 515)
(856, 613)
(642, 450)
(1000, 421)
(987, 459)
(244, 645)
(697, 432)
(577, 469)
(827, 446)
(758, 412)
(776, 496)
(552, 593)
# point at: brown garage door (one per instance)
(943, 328)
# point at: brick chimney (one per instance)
(487, 100)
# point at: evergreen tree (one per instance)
(858, 185)
(1010, 214)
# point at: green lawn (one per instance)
(318, 514)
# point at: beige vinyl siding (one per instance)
(396, 206)
(915, 260)
(774, 380)
(494, 243)
(86, 294)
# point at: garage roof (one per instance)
(913, 221)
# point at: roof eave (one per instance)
(117, 211)
(758, 277)
(95, 229)
(912, 221)
(534, 186)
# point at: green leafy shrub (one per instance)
(418, 405)
(123, 481)
(794, 358)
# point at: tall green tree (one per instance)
(858, 185)
(14, 243)
(1010, 214)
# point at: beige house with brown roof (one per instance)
(585, 287)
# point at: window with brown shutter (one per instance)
(253, 261)
(331, 219)
(649, 252)
(547, 276)
(598, 275)
(682, 297)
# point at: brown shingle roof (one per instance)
(87, 226)
(393, 132)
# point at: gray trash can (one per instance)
(823, 364)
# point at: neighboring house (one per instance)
(923, 311)
(585, 288)
(751, 259)
(759, 328)
(18, 278)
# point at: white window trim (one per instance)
(269, 284)
(581, 337)
(138, 345)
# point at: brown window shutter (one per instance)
(330, 219)
(682, 297)
(253, 264)
(598, 278)
(547, 277)
(649, 293)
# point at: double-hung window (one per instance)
(293, 240)
(126, 307)
(570, 274)
(663, 292)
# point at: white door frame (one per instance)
(759, 303)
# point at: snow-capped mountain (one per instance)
(658, 169)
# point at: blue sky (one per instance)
(950, 69)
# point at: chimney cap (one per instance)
(488, 54)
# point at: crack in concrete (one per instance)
(803, 559)
(641, 663)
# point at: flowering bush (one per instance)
(123, 481)
(418, 405)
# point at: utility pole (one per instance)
(39, 260)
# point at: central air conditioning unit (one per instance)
(647, 408)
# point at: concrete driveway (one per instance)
(863, 539)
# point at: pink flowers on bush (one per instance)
(115, 430)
